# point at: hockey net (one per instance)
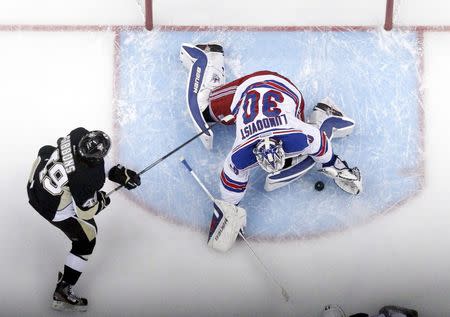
(392, 19)
(146, 8)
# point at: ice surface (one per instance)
(143, 265)
(372, 75)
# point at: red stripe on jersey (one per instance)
(222, 90)
(324, 144)
(288, 132)
(235, 185)
(281, 88)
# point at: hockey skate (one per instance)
(333, 311)
(327, 117)
(347, 179)
(389, 311)
(188, 60)
(65, 300)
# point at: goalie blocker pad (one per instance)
(226, 222)
(298, 167)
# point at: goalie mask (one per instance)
(94, 145)
(270, 154)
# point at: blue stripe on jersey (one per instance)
(232, 181)
(334, 122)
(232, 185)
(293, 143)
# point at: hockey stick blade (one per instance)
(225, 119)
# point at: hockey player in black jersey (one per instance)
(65, 188)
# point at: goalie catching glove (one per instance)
(124, 176)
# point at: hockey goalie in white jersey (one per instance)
(271, 132)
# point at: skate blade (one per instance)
(62, 306)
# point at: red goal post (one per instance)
(388, 20)
(147, 11)
(147, 8)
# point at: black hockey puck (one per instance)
(319, 186)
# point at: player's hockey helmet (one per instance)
(94, 145)
(270, 154)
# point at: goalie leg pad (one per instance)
(300, 166)
(206, 72)
(331, 120)
(226, 223)
(337, 127)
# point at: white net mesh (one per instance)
(141, 5)
(396, 11)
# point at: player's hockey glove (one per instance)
(125, 177)
(103, 200)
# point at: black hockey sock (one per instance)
(70, 276)
(207, 116)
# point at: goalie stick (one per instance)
(225, 119)
(284, 293)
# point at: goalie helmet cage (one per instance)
(147, 11)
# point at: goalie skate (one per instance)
(333, 311)
(188, 60)
(391, 311)
(329, 118)
(65, 300)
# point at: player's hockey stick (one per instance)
(226, 119)
(284, 293)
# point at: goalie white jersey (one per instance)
(263, 104)
(268, 112)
